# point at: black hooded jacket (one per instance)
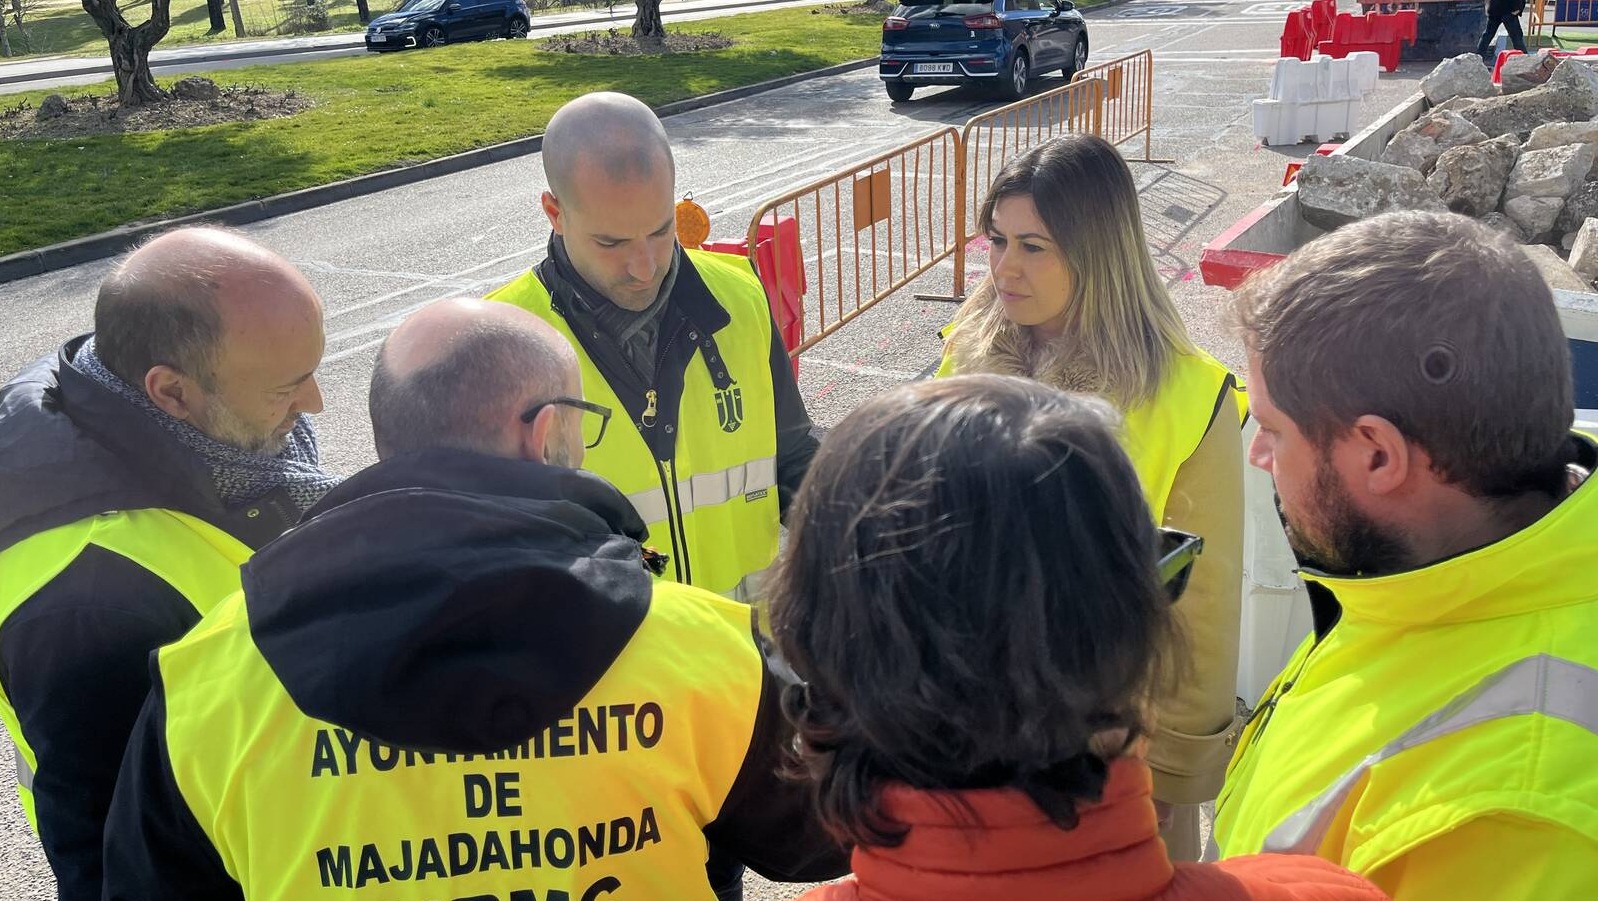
(73, 655)
(452, 602)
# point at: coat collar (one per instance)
(1548, 564)
(996, 843)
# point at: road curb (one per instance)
(357, 40)
(28, 263)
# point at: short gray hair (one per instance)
(461, 400)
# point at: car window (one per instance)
(420, 6)
(1025, 5)
(934, 8)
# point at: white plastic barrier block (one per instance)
(1282, 122)
(1324, 78)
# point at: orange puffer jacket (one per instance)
(998, 844)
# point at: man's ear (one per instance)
(552, 210)
(175, 393)
(537, 435)
(1380, 456)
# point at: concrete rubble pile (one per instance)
(1520, 157)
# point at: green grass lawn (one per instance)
(63, 28)
(378, 112)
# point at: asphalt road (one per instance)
(378, 258)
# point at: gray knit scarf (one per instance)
(240, 476)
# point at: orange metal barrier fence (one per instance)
(868, 231)
(1128, 99)
(872, 229)
(994, 138)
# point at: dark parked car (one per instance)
(1004, 44)
(432, 23)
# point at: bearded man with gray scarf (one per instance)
(139, 465)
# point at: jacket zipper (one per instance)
(1268, 710)
(667, 471)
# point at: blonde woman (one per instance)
(1073, 300)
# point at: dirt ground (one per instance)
(100, 114)
(616, 42)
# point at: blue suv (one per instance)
(433, 23)
(1002, 44)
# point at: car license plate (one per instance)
(377, 38)
(934, 68)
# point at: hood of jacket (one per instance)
(69, 448)
(451, 601)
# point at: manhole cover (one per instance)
(1178, 213)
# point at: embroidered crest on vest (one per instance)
(730, 408)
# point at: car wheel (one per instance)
(517, 28)
(1014, 87)
(898, 91)
(432, 37)
(1079, 59)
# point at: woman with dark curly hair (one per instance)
(972, 594)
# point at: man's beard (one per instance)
(1348, 542)
(229, 428)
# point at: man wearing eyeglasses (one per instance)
(713, 436)
(458, 677)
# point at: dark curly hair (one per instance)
(969, 594)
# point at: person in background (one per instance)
(976, 599)
(459, 678)
(1507, 14)
(1074, 300)
(139, 466)
(1437, 730)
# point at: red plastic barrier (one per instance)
(1503, 55)
(1298, 35)
(777, 245)
(1322, 14)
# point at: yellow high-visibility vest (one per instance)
(1461, 690)
(611, 799)
(199, 561)
(713, 505)
(1161, 434)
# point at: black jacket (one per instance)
(73, 656)
(690, 308)
(447, 601)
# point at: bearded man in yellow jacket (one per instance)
(1436, 733)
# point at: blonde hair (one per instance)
(1123, 329)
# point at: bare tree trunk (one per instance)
(647, 28)
(5, 39)
(130, 47)
(364, 10)
(214, 8)
(238, 19)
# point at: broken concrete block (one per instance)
(1556, 172)
(1558, 134)
(1471, 179)
(1419, 145)
(1535, 215)
(1336, 190)
(1500, 222)
(1519, 113)
(1522, 73)
(1456, 105)
(1579, 207)
(1577, 83)
(1584, 252)
(1556, 272)
(1462, 76)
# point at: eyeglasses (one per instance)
(596, 417)
(1178, 551)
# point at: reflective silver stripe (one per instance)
(707, 489)
(651, 504)
(1543, 684)
(24, 772)
(749, 587)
